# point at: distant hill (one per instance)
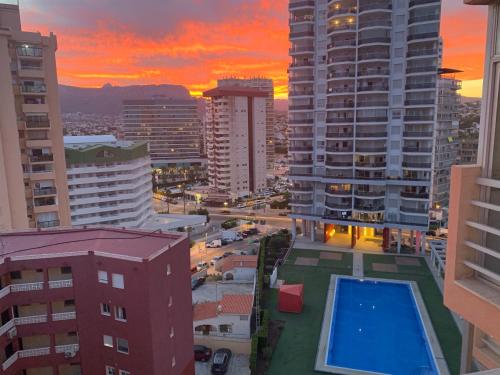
(466, 99)
(107, 100)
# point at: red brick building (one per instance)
(95, 301)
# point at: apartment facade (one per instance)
(362, 116)
(172, 128)
(446, 138)
(236, 140)
(95, 301)
(472, 279)
(109, 181)
(32, 170)
(266, 85)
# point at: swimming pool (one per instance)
(377, 327)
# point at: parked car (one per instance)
(214, 243)
(221, 361)
(215, 260)
(227, 254)
(201, 266)
(194, 269)
(202, 353)
(195, 283)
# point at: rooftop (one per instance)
(214, 291)
(232, 304)
(135, 245)
(234, 91)
(93, 139)
(239, 261)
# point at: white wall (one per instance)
(242, 273)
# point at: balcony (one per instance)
(56, 284)
(340, 120)
(70, 315)
(347, 27)
(369, 164)
(301, 162)
(301, 93)
(44, 191)
(373, 72)
(41, 158)
(339, 192)
(378, 40)
(298, 50)
(421, 69)
(37, 124)
(422, 52)
(421, 102)
(300, 149)
(302, 79)
(425, 18)
(417, 134)
(341, 43)
(375, 6)
(47, 224)
(372, 119)
(373, 88)
(301, 121)
(425, 150)
(332, 163)
(414, 210)
(375, 23)
(301, 4)
(340, 90)
(338, 205)
(29, 51)
(412, 118)
(369, 207)
(416, 165)
(414, 195)
(362, 193)
(422, 36)
(339, 149)
(302, 34)
(341, 59)
(372, 103)
(341, 11)
(29, 89)
(338, 135)
(371, 134)
(414, 3)
(420, 85)
(371, 149)
(300, 135)
(373, 56)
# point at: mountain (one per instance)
(107, 100)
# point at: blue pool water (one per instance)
(376, 327)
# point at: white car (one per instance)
(214, 243)
(201, 266)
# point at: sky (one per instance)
(195, 42)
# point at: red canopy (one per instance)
(291, 298)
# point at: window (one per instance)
(110, 370)
(108, 341)
(172, 332)
(225, 328)
(120, 313)
(102, 276)
(105, 309)
(123, 372)
(169, 269)
(173, 361)
(243, 317)
(122, 345)
(170, 301)
(69, 302)
(15, 275)
(65, 270)
(118, 281)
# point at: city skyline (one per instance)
(195, 43)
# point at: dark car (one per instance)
(202, 353)
(227, 254)
(221, 361)
(195, 283)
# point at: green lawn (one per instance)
(297, 346)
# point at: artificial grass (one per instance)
(297, 347)
(446, 330)
(298, 344)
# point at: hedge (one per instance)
(253, 353)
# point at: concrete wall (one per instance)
(235, 345)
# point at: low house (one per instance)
(239, 267)
(224, 323)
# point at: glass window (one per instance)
(65, 270)
(122, 345)
(169, 269)
(107, 340)
(105, 309)
(110, 370)
(102, 276)
(120, 313)
(118, 281)
(123, 372)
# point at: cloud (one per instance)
(195, 42)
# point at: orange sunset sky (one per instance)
(194, 42)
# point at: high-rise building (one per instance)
(363, 111)
(446, 138)
(32, 169)
(95, 301)
(472, 278)
(109, 181)
(236, 140)
(267, 86)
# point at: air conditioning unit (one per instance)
(12, 333)
(69, 354)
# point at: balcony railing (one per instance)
(301, 78)
(369, 193)
(373, 56)
(373, 6)
(338, 163)
(431, 101)
(423, 36)
(300, 135)
(373, 72)
(48, 224)
(299, 4)
(371, 134)
(373, 88)
(27, 353)
(300, 34)
(30, 319)
(37, 124)
(295, 148)
(73, 348)
(370, 149)
(422, 2)
(300, 107)
(408, 164)
(301, 121)
(41, 158)
(419, 118)
(340, 11)
(416, 195)
(372, 119)
(379, 39)
(340, 120)
(44, 191)
(342, 43)
(421, 52)
(421, 69)
(417, 149)
(426, 18)
(41, 89)
(368, 164)
(29, 287)
(70, 315)
(416, 210)
(56, 284)
(417, 134)
(338, 135)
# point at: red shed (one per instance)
(291, 298)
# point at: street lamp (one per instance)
(183, 195)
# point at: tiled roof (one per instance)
(239, 261)
(206, 310)
(235, 304)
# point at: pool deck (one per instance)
(327, 321)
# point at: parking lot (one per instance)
(237, 366)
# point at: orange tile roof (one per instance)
(235, 304)
(241, 261)
(206, 310)
(240, 304)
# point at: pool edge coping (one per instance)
(435, 346)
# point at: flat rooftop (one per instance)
(135, 245)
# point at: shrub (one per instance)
(253, 353)
(228, 224)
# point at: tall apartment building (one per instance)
(267, 86)
(32, 170)
(446, 137)
(95, 301)
(236, 140)
(468, 146)
(172, 128)
(363, 111)
(472, 279)
(109, 181)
